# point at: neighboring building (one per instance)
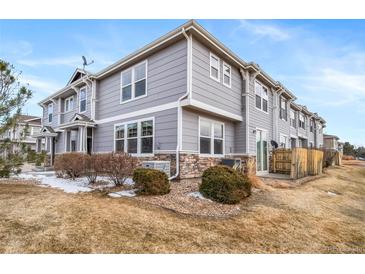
(331, 142)
(28, 125)
(185, 98)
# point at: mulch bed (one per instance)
(179, 201)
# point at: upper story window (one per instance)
(261, 96)
(211, 137)
(135, 137)
(50, 112)
(283, 141)
(293, 121)
(82, 100)
(69, 104)
(283, 109)
(227, 75)
(133, 82)
(311, 125)
(214, 67)
(320, 129)
(301, 121)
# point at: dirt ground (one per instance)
(322, 216)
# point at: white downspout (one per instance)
(179, 108)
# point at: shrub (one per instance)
(91, 167)
(39, 158)
(151, 181)
(224, 185)
(348, 157)
(69, 164)
(11, 164)
(117, 166)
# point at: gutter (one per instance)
(179, 107)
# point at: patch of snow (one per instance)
(49, 178)
(67, 185)
(125, 193)
(198, 195)
(331, 193)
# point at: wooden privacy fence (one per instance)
(332, 157)
(297, 162)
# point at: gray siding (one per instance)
(190, 131)
(165, 131)
(60, 143)
(166, 82)
(209, 91)
(260, 119)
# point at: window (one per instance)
(283, 109)
(82, 100)
(227, 78)
(283, 141)
(261, 96)
(119, 138)
(301, 121)
(134, 82)
(311, 125)
(50, 113)
(134, 137)
(69, 104)
(211, 137)
(320, 129)
(293, 121)
(214, 67)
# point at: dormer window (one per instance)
(82, 100)
(50, 113)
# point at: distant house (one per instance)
(22, 133)
(331, 142)
(184, 98)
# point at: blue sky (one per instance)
(321, 61)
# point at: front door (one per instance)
(89, 140)
(261, 151)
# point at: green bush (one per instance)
(224, 185)
(151, 181)
(11, 165)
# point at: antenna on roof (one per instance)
(85, 63)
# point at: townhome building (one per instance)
(22, 132)
(184, 98)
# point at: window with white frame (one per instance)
(261, 96)
(227, 75)
(69, 104)
(82, 99)
(319, 129)
(293, 121)
(214, 67)
(283, 141)
(50, 113)
(211, 137)
(134, 82)
(134, 137)
(283, 109)
(311, 127)
(301, 121)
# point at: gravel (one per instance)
(185, 198)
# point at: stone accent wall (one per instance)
(193, 165)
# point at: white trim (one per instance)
(79, 98)
(212, 138)
(139, 122)
(230, 75)
(133, 82)
(138, 113)
(210, 67)
(208, 108)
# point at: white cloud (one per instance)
(17, 49)
(265, 30)
(40, 86)
(71, 61)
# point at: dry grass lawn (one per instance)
(306, 219)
